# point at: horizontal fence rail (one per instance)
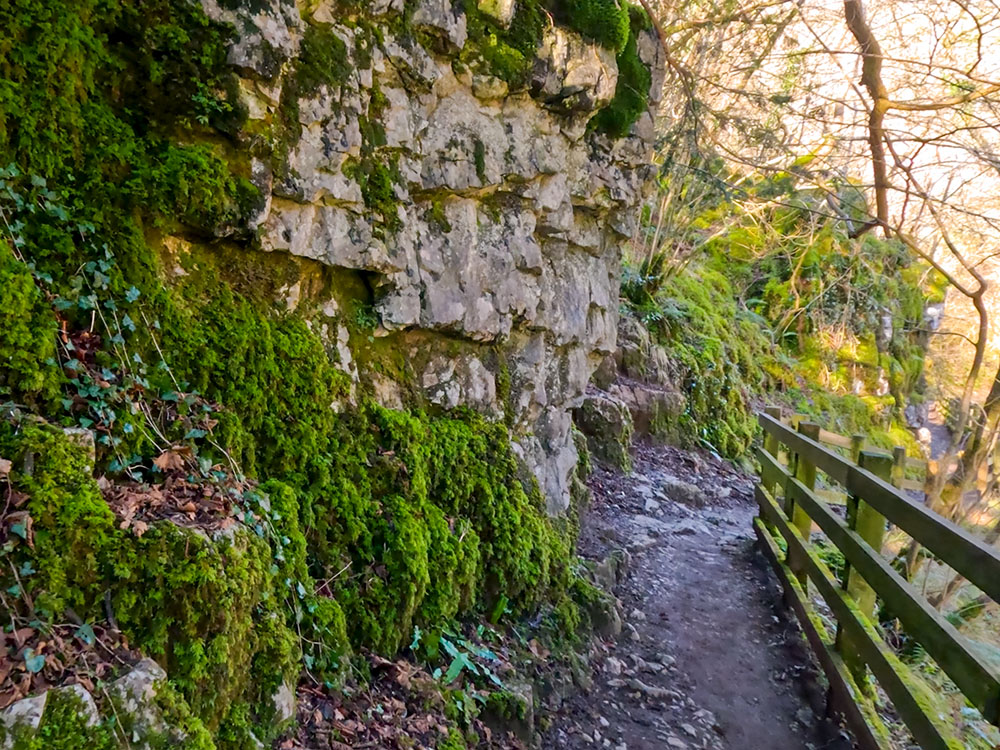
(791, 506)
(903, 462)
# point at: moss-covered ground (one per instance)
(787, 314)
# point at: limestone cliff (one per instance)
(483, 217)
(296, 299)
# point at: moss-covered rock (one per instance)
(131, 307)
(607, 424)
(631, 98)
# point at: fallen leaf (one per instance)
(21, 636)
(537, 649)
(169, 460)
(5, 466)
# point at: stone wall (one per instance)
(484, 222)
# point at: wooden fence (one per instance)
(789, 508)
(909, 472)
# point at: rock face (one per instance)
(607, 423)
(640, 376)
(481, 216)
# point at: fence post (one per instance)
(870, 526)
(898, 466)
(771, 444)
(857, 445)
(805, 472)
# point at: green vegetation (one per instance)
(63, 728)
(634, 80)
(508, 53)
(786, 310)
(607, 22)
(322, 61)
(27, 335)
(354, 499)
(356, 524)
(504, 53)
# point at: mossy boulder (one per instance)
(607, 424)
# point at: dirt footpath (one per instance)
(707, 657)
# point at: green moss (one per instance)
(27, 336)
(454, 741)
(409, 519)
(501, 369)
(718, 352)
(64, 727)
(394, 504)
(183, 729)
(631, 97)
(436, 214)
(90, 60)
(605, 21)
(268, 370)
(505, 53)
(479, 156)
(322, 61)
(366, 521)
(508, 53)
(193, 185)
(506, 705)
(378, 189)
(212, 612)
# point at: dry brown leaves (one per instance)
(197, 504)
(70, 656)
(402, 707)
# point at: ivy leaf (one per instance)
(417, 632)
(86, 634)
(449, 647)
(127, 322)
(34, 662)
(27, 569)
(457, 665)
(21, 529)
(469, 664)
(132, 294)
(493, 678)
(195, 434)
